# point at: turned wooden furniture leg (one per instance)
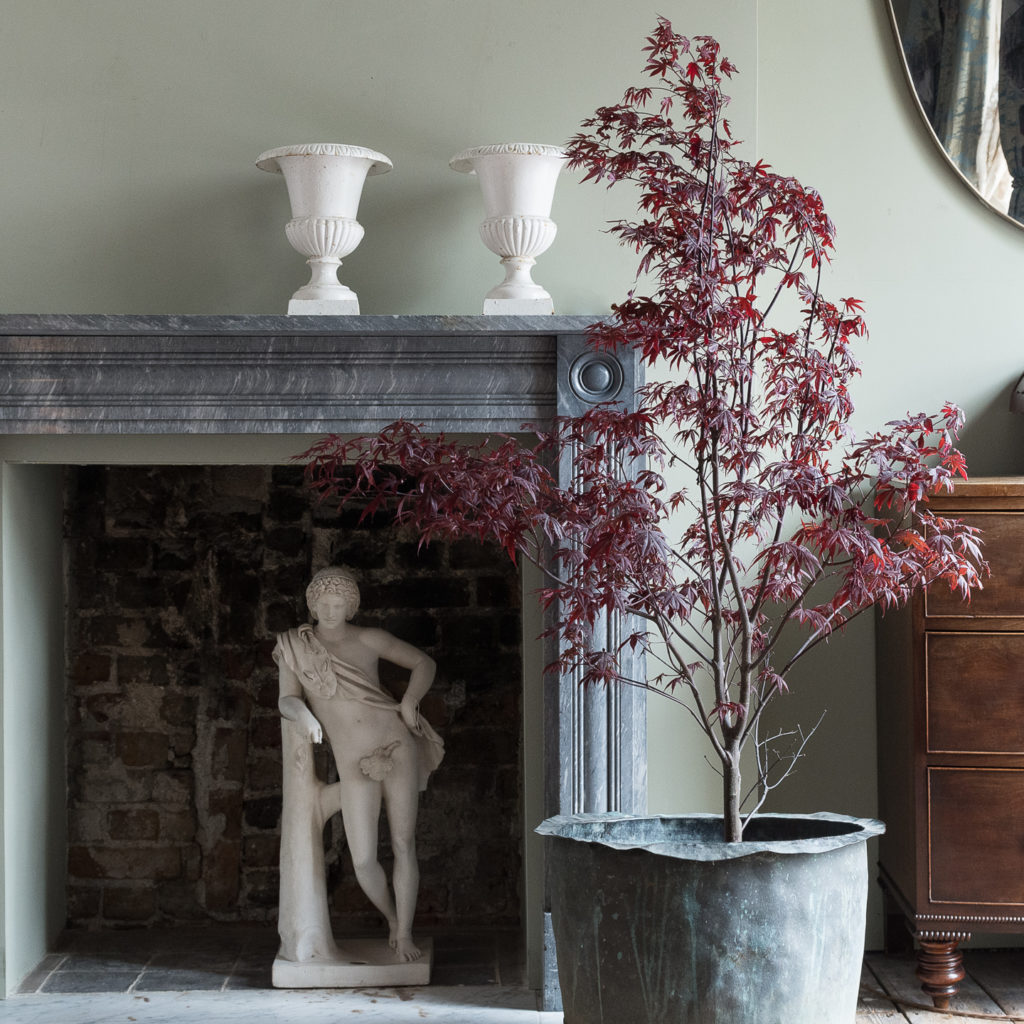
(940, 966)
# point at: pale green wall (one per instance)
(34, 776)
(940, 277)
(130, 129)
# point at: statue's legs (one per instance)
(360, 811)
(401, 800)
(330, 800)
(308, 957)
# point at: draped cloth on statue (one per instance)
(326, 676)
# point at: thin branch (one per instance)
(762, 785)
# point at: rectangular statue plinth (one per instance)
(364, 963)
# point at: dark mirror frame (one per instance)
(901, 53)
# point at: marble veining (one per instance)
(170, 374)
(252, 324)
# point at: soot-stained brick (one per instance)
(180, 579)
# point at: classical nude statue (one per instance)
(384, 753)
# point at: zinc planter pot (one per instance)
(658, 921)
(518, 183)
(325, 182)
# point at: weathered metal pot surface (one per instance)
(657, 921)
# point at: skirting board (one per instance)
(365, 963)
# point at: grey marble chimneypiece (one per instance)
(275, 374)
(119, 375)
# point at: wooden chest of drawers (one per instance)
(951, 747)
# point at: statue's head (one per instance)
(333, 580)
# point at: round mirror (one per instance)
(964, 60)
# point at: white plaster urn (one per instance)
(325, 181)
(518, 183)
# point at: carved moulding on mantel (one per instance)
(193, 375)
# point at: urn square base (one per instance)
(323, 307)
(363, 963)
(518, 307)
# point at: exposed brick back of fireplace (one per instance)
(178, 579)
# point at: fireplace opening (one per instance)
(177, 580)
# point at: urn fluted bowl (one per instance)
(517, 180)
(325, 182)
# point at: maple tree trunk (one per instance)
(732, 824)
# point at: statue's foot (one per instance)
(406, 950)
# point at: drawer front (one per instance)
(1003, 548)
(976, 835)
(975, 692)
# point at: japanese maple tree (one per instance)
(785, 521)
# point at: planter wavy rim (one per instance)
(267, 161)
(463, 161)
(587, 829)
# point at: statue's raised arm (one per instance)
(421, 666)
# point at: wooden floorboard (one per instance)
(1000, 972)
(993, 990)
(872, 1006)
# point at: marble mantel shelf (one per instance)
(100, 374)
(119, 325)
